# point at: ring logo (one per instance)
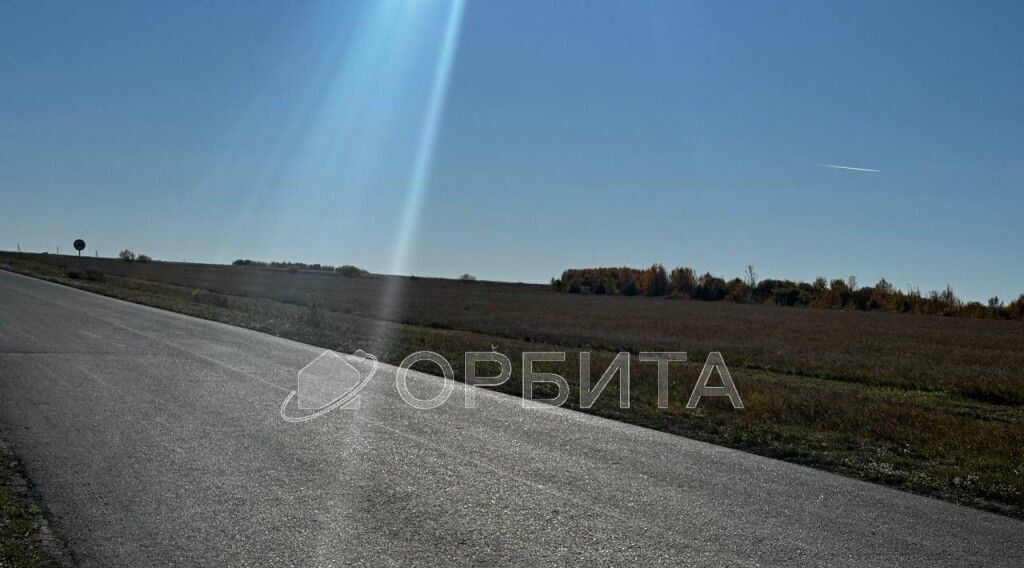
(331, 381)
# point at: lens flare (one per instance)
(428, 139)
(420, 175)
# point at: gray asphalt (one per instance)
(155, 439)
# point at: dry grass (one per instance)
(927, 404)
(25, 536)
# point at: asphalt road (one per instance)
(155, 439)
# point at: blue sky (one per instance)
(564, 134)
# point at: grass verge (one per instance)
(25, 536)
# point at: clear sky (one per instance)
(514, 139)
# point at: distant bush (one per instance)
(350, 271)
(737, 290)
(710, 288)
(143, 258)
(684, 281)
(210, 298)
(126, 255)
(1016, 308)
(654, 281)
(467, 277)
(975, 310)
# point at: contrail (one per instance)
(838, 167)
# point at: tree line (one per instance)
(683, 282)
(344, 270)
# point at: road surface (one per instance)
(155, 438)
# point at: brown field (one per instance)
(924, 403)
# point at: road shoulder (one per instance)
(26, 538)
